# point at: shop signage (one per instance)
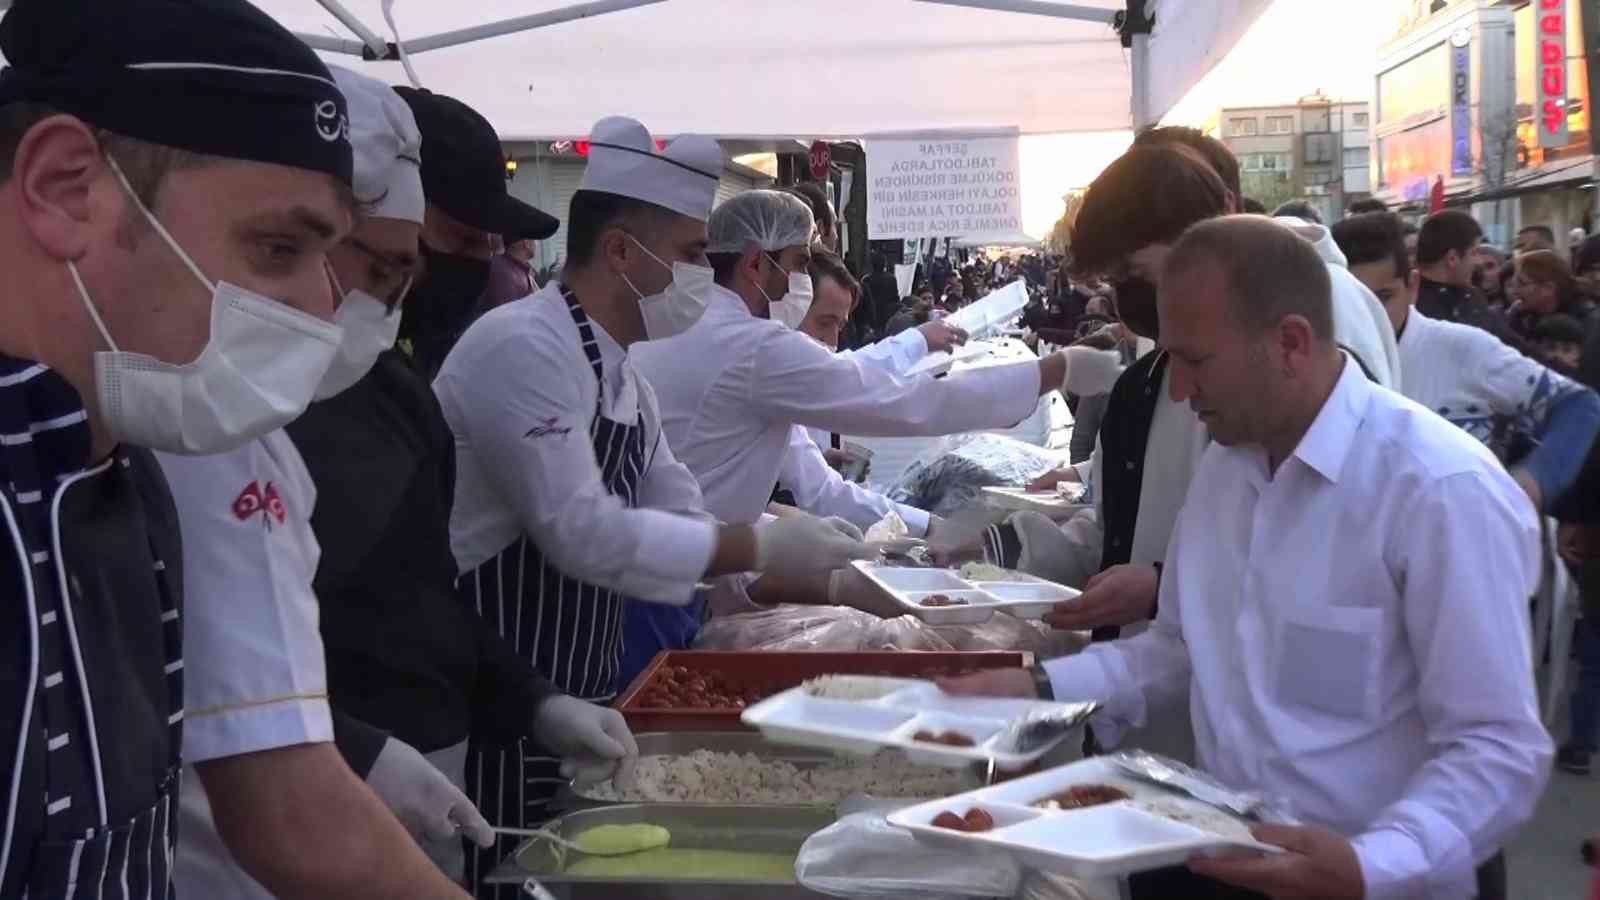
(1551, 38)
(820, 157)
(1461, 102)
(948, 185)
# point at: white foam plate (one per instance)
(1105, 841)
(1027, 598)
(892, 721)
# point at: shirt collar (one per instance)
(1326, 444)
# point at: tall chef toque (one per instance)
(217, 77)
(623, 160)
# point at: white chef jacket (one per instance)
(1470, 377)
(731, 386)
(254, 676)
(519, 395)
(894, 354)
(1352, 633)
(820, 490)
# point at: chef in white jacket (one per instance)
(731, 387)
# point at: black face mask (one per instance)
(440, 306)
(1136, 306)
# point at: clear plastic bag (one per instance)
(954, 474)
(787, 627)
(862, 855)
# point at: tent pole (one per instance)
(348, 19)
(329, 44)
(522, 23)
(1036, 8)
(1141, 81)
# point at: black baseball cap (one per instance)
(218, 77)
(464, 171)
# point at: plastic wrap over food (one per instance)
(1004, 632)
(954, 475)
(844, 629)
(862, 855)
(1186, 779)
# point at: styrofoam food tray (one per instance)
(864, 727)
(1028, 598)
(1105, 841)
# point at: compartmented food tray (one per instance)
(1050, 503)
(649, 705)
(945, 597)
(931, 727)
(1108, 823)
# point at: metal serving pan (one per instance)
(758, 829)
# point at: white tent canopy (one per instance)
(776, 68)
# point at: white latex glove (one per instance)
(1090, 371)
(846, 528)
(942, 336)
(803, 545)
(422, 798)
(593, 741)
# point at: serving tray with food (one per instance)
(965, 596)
(1089, 819)
(862, 716)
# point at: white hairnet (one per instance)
(771, 220)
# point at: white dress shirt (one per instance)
(731, 386)
(820, 490)
(519, 395)
(254, 672)
(1352, 635)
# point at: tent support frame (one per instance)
(1036, 8)
(462, 35)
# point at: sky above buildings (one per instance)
(1296, 48)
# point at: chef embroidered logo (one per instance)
(547, 427)
(256, 500)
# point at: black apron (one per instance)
(569, 629)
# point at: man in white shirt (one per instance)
(731, 387)
(1343, 600)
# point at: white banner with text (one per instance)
(967, 186)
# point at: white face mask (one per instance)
(790, 309)
(370, 328)
(257, 373)
(680, 304)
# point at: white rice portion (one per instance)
(705, 776)
(1194, 813)
(977, 571)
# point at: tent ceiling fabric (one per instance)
(772, 68)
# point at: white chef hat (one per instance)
(623, 161)
(387, 145)
(771, 220)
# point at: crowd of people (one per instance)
(334, 527)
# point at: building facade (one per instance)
(1463, 94)
(1316, 149)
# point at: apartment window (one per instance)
(1319, 149)
(1275, 162)
(1280, 124)
(1358, 120)
(1243, 128)
(1356, 156)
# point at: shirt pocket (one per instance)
(1327, 660)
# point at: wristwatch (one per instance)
(1041, 681)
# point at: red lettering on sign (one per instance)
(1552, 24)
(1553, 116)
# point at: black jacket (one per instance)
(1449, 303)
(404, 655)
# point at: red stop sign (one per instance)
(821, 156)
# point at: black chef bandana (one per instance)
(217, 77)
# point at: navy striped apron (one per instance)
(569, 629)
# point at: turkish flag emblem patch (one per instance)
(256, 500)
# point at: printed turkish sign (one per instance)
(946, 186)
(1552, 49)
